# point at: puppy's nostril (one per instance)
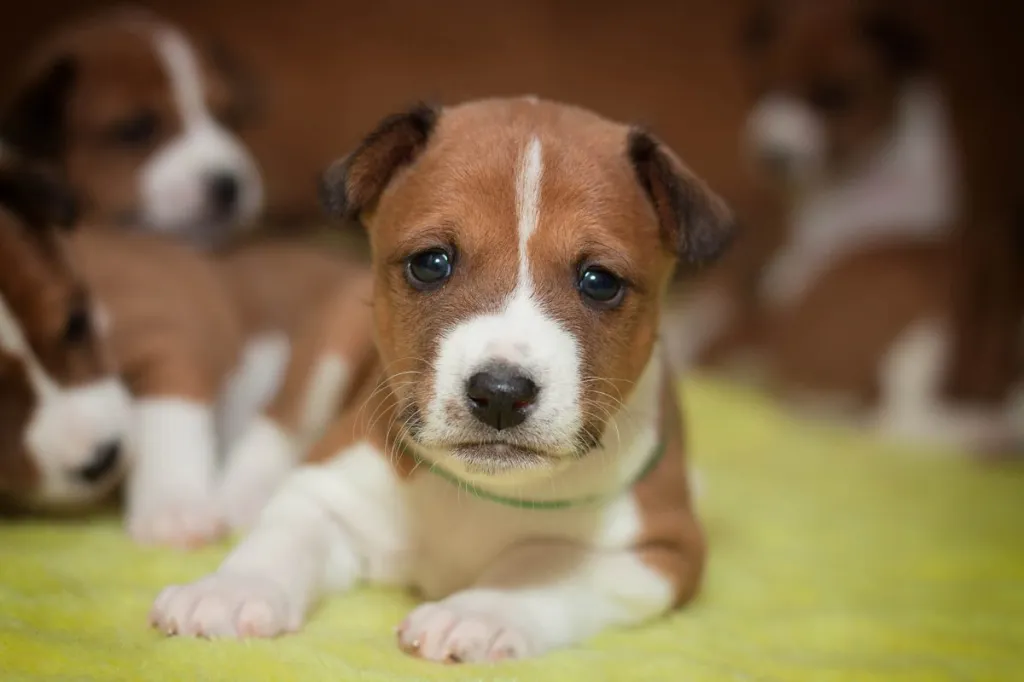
(224, 190)
(777, 161)
(500, 396)
(104, 461)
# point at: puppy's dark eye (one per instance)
(831, 97)
(137, 131)
(78, 327)
(600, 287)
(428, 269)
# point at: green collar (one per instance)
(518, 503)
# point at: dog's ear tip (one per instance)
(695, 223)
(332, 190)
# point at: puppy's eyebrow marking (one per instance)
(528, 177)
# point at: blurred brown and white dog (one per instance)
(141, 123)
(65, 413)
(114, 348)
(121, 357)
(146, 133)
(852, 124)
(515, 449)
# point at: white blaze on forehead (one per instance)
(67, 426)
(521, 334)
(185, 75)
(531, 171)
(175, 180)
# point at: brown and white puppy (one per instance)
(146, 130)
(115, 350)
(853, 123)
(64, 414)
(136, 116)
(516, 451)
(850, 126)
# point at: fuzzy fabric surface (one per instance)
(833, 558)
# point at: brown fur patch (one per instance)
(340, 326)
(175, 330)
(834, 339)
(672, 541)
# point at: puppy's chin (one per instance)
(496, 459)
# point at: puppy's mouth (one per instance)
(494, 457)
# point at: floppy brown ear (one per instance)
(695, 223)
(352, 184)
(39, 198)
(33, 122)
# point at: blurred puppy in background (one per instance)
(142, 122)
(64, 414)
(850, 124)
(113, 347)
(146, 132)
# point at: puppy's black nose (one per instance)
(224, 190)
(776, 161)
(104, 461)
(501, 396)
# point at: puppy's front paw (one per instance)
(180, 523)
(457, 631)
(223, 605)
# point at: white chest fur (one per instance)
(908, 188)
(430, 533)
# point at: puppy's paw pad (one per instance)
(222, 606)
(447, 634)
(182, 525)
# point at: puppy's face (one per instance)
(520, 259)
(63, 414)
(142, 122)
(827, 77)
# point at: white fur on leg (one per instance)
(536, 598)
(258, 463)
(170, 490)
(256, 466)
(319, 532)
(253, 384)
(911, 405)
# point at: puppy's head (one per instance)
(142, 122)
(828, 76)
(521, 249)
(63, 413)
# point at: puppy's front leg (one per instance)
(543, 596)
(170, 490)
(319, 532)
(329, 351)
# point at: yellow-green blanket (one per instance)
(832, 559)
